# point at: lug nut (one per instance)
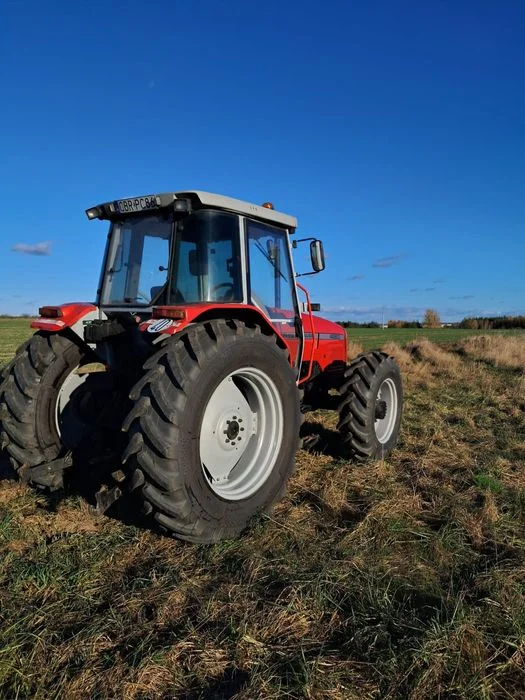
(242, 428)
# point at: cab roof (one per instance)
(150, 202)
(209, 199)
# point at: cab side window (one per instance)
(270, 274)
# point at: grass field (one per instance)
(402, 578)
(370, 338)
(13, 332)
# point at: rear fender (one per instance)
(56, 319)
(163, 326)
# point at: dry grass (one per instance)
(402, 578)
(499, 350)
(354, 349)
(440, 360)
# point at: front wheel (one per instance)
(371, 406)
(214, 430)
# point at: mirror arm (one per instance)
(304, 274)
(301, 240)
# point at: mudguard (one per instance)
(54, 319)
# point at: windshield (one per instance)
(207, 259)
(138, 261)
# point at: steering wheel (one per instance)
(227, 296)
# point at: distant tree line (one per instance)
(372, 324)
(394, 323)
(496, 322)
(432, 320)
(17, 315)
(354, 324)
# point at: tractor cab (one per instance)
(197, 248)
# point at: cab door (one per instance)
(271, 282)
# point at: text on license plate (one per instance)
(125, 206)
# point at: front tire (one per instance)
(214, 430)
(371, 406)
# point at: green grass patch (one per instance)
(13, 332)
(371, 338)
(488, 482)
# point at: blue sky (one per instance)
(393, 130)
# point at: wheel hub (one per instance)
(380, 412)
(233, 429)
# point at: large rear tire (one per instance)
(371, 406)
(38, 423)
(214, 430)
(4, 374)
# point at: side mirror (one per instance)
(314, 306)
(197, 267)
(192, 263)
(317, 255)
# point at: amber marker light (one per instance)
(268, 205)
(50, 312)
(168, 312)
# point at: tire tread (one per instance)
(20, 387)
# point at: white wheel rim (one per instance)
(241, 433)
(384, 427)
(69, 426)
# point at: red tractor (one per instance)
(193, 368)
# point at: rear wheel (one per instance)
(214, 430)
(371, 406)
(4, 374)
(46, 405)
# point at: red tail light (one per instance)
(168, 312)
(50, 311)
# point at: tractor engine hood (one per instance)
(323, 328)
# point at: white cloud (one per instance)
(388, 261)
(43, 248)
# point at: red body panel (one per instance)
(326, 344)
(329, 341)
(69, 314)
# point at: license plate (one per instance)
(129, 206)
